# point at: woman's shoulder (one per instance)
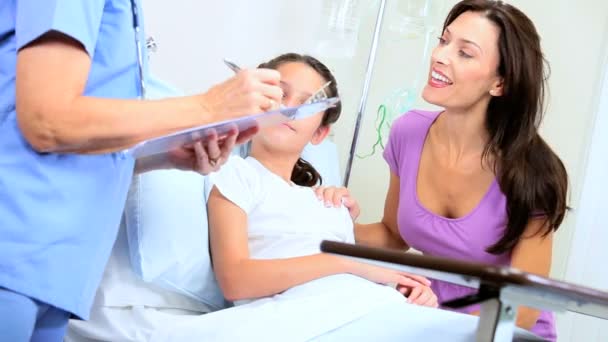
(413, 124)
(407, 134)
(416, 119)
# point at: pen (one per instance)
(232, 66)
(237, 68)
(318, 95)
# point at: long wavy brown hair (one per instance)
(530, 174)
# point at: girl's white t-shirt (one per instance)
(284, 220)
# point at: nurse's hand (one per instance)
(337, 196)
(209, 156)
(204, 156)
(248, 92)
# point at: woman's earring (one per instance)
(492, 92)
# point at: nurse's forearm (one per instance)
(54, 116)
(96, 125)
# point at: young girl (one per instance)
(266, 223)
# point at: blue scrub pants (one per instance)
(25, 319)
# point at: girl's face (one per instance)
(299, 81)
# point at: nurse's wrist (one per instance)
(186, 112)
(205, 110)
(151, 163)
(141, 166)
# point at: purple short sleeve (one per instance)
(395, 146)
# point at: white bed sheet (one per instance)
(319, 308)
(336, 308)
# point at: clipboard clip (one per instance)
(309, 109)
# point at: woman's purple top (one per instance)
(464, 238)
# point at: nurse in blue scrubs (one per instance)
(69, 87)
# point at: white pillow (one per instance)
(167, 229)
(324, 158)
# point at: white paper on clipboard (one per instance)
(169, 142)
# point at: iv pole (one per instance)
(368, 77)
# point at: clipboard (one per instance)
(169, 142)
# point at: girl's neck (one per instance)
(281, 164)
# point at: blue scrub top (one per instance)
(59, 213)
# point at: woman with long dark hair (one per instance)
(475, 181)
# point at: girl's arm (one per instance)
(241, 277)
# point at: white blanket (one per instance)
(308, 312)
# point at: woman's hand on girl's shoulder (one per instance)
(338, 196)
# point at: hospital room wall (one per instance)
(589, 252)
(193, 36)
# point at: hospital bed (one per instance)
(500, 288)
(158, 252)
(177, 262)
